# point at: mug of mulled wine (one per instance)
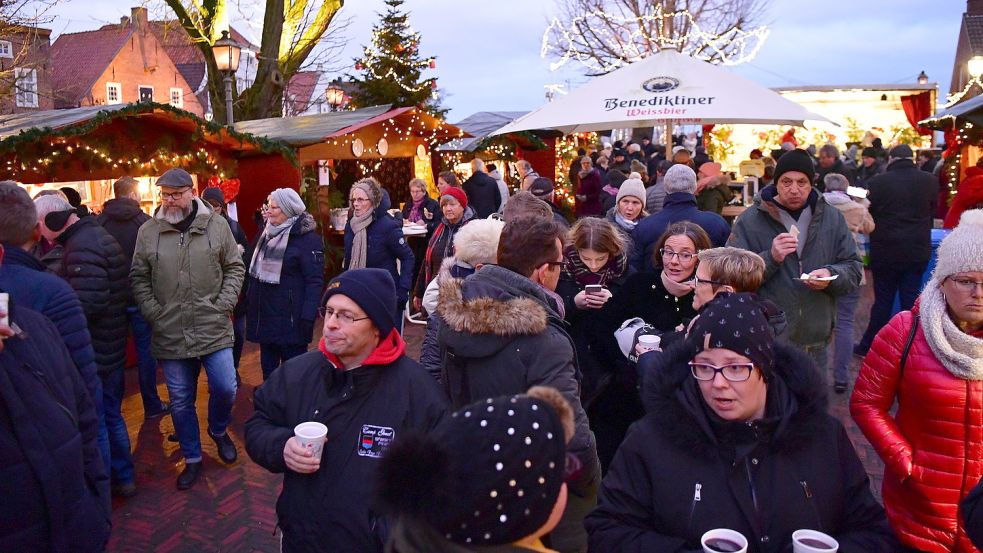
(811, 541)
(722, 540)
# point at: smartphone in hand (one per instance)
(593, 289)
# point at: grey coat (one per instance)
(829, 244)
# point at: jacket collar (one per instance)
(495, 301)
(122, 209)
(679, 198)
(668, 394)
(200, 222)
(75, 228)
(15, 255)
(900, 164)
(388, 350)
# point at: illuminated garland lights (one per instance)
(631, 40)
(566, 153)
(373, 54)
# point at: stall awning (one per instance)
(480, 125)
(305, 130)
(971, 110)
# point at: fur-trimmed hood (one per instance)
(495, 303)
(801, 416)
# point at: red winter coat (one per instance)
(968, 195)
(933, 448)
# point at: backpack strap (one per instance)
(908, 342)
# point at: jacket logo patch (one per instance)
(374, 440)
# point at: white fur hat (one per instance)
(962, 250)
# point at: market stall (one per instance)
(89, 148)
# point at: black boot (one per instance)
(189, 475)
(226, 448)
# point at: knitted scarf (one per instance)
(960, 353)
(678, 289)
(416, 211)
(268, 258)
(575, 267)
(620, 220)
(360, 242)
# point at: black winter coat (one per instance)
(839, 168)
(430, 205)
(54, 487)
(682, 471)
(364, 409)
(247, 254)
(483, 194)
(95, 266)
(678, 206)
(643, 295)
(501, 335)
(284, 313)
(971, 509)
(440, 246)
(386, 244)
(122, 219)
(902, 203)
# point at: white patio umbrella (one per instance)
(664, 89)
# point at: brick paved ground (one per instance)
(232, 507)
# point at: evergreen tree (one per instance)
(391, 67)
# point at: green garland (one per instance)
(35, 135)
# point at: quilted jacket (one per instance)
(932, 448)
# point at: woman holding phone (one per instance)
(595, 264)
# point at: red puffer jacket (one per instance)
(932, 448)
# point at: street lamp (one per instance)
(975, 66)
(227, 53)
(922, 78)
(335, 96)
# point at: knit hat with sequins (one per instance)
(489, 474)
(736, 322)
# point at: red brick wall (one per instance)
(31, 48)
(143, 62)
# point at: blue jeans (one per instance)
(903, 280)
(146, 364)
(121, 460)
(272, 356)
(102, 439)
(181, 376)
(239, 338)
(846, 307)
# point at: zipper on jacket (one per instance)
(697, 497)
(811, 500)
(44, 380)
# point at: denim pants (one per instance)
(146, 364)
(903, 280)
(121, 460)
(102, 439)
(846, 308)
(181, 376)
(239, 338)
(272, 356)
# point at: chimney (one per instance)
(974, 7)
(139, 17)
(124, 21)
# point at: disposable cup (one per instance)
(4, 306)
(724, 534)
(813, 536)
(649, 341)
(312, 436)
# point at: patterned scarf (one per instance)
(360, 242)
(268, 259)
(416, 211)
(575, 267)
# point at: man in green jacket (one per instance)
(186, 277)
(797, 234)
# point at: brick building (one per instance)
(117, 64)
(25, 69)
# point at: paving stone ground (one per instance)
(232, 507)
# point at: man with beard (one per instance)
(185, 278)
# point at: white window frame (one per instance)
(152, 92)
(6, 49)
(176, 97)
(119, 93)
(26, 97)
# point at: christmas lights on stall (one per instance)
(630, 38)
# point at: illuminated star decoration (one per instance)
(631, 38)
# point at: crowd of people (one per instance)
(628, 379)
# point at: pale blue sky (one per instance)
(488, 51)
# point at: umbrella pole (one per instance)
(668, 139)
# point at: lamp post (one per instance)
(922, 78)
(227, 52)
(975, 66)
(334, 95)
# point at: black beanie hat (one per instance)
(74, 198)
(795, 160)
(213, 193)
(736, 322)
(489, 474)
(373, 290)
(869, 152)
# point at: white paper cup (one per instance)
(649, 341)
(4, 307)
(799, 547)
(725, 534)
(312, 436)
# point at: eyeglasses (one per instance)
(344, 317)
(358, 200)
(966, 284)
(685, 257)
(272, 207)
(705, 281)
(735, 372)
(173, 195)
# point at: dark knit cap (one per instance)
(901, 151)
(869, 152)
(736, 322)
(175, 178)
(795, 160)
(74, 198)
(489, 474)
(541, 187)
(213, 193)
(373, 290)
